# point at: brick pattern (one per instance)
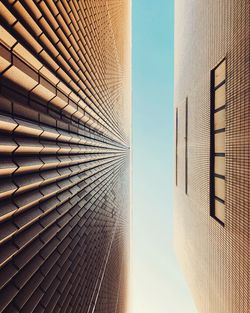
(64, 155)
(215, 259)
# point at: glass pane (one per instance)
(219, 119)
(220, 96)
(219, 165)
(219, 210)
(220, 73)
(219, 188)
(219, 142)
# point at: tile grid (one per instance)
(64, 151)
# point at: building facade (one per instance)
(212, 152)
(64, 156)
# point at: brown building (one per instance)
(212, 185)
(64, 155)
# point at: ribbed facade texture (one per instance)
(64, 155)
(213, 246)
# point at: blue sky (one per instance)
(158, 284)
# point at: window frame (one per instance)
(213, 132)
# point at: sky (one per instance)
(158, 283)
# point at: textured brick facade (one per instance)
(64, 155)
(215, 258)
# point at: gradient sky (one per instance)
(158, 284)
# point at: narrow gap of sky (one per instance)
(158, 284)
